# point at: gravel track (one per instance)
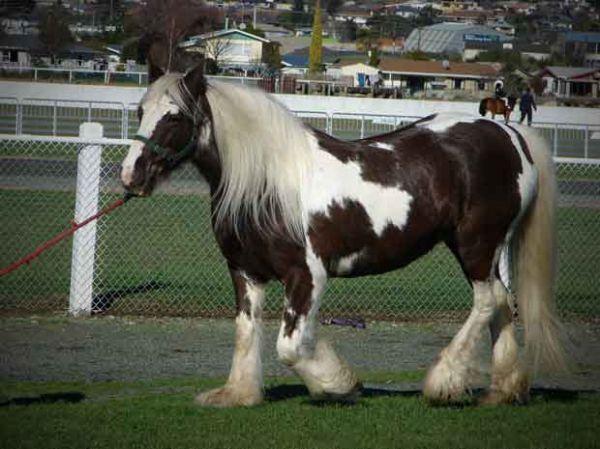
(55, 348)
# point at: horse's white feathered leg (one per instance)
(325, 374)
(450, 376)
(509, 380)
(245, 383)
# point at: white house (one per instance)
(354, 74)
(230, 49)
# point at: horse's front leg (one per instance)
(325, 374)
(245, 383)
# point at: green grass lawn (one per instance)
(161, 414)
(158, 256)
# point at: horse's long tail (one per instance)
(483, 107)
(536, 240)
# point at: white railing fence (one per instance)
(62, 118)
(158, 256)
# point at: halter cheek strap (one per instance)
(166, 154)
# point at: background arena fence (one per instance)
(49, 117)
(158, 256)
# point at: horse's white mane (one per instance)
(170, 84)
(265, 158)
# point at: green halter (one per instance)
(163, 152)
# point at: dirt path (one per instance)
(99, 349)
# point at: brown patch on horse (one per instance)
(341, 150)
(492, 199)
(242, 302)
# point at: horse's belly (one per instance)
(394, 249)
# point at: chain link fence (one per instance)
(158, 256)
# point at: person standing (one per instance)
(527, 106)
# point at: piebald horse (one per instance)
(292, 204)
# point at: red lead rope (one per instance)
(64, 234)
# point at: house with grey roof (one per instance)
(450, 38)
(571, 81)
(18, 50)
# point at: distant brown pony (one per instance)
(497, 106)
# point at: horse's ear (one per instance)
(195, 81)
(154, 72)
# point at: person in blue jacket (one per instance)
(527, 106)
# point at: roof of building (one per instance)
(21, 42)
(269, 28)
(534, 48)
(569, 72)
(195, 40)
(351, 61)
(78, 49)
(437, 68)
(582, 36)
(300, 57)
(488, 46)
(449, 37)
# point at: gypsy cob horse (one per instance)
(295, 205)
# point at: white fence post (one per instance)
(86, 204)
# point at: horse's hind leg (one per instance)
(449, 378)
(509, 381)
(325, 374)
(244, 385)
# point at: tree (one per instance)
(315, 64)
(374, 57)
(54, 30)
(332, 7)
(271, 56)
(163, 24)
(215, 49)
(348, 31)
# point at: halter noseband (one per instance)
(163, 152)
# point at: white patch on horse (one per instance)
(205, 134)
(382, 146)
(346, 263)
(446, 120)
(157, 103)
(246, 367)
(527, 181)
(245, 383)
(457, 364)
(334, 181)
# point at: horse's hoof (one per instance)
(495, 397)
(228, 396)
(444, 385)
(347, 398)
